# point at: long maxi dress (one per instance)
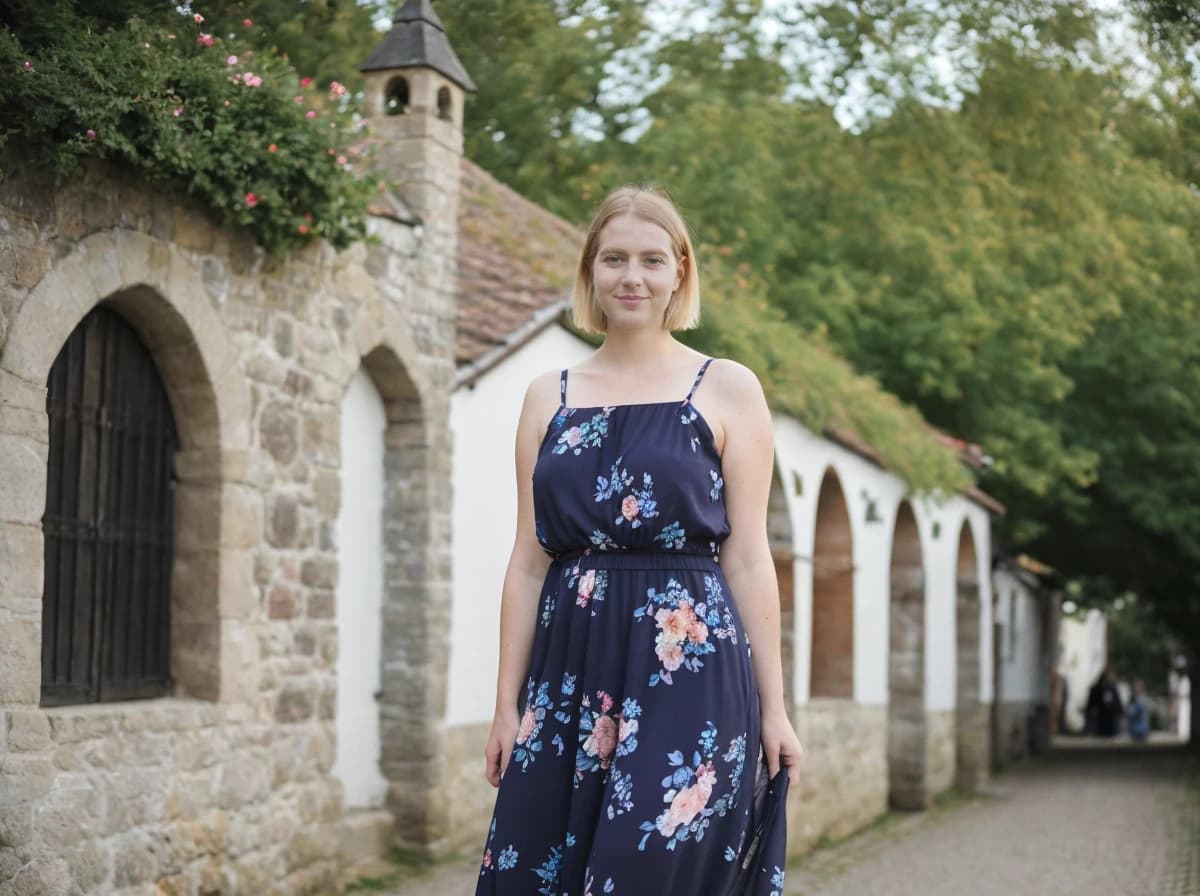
(635, 766)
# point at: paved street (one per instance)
(1089, 820)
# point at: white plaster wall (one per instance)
(1082, 655)
(483, 421)
(941, 655)
(798, 451)
(1021, 663)
(360, 595)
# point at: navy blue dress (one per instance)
(637, 768)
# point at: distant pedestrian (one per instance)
(1104, 705)
(1139, 712)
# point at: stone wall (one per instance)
(939, 750)
(843, 781)
(225, 786)
(1013, 727)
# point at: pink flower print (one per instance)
(587, 584)
(630, 507)
(674, 623)
(487, 859)
(528, 722)
(573, 436)
(670, 653)
(603, 740)
(697, 632)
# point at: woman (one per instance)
(639, 578)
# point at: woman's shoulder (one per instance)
(733, 381)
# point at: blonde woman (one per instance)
(632, 717)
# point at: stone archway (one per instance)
(908, 786)
(415, 580)
(970, 722)
(779, 535)
(832, 663)
(212, 569)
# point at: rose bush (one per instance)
(206, 113)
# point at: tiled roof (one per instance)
(516, 268)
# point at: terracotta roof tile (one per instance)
(516, 262)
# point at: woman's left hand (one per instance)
(781, 745)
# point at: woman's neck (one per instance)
(639, 349)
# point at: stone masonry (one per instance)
(225, 786)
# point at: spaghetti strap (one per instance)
(695, 382)
(562, 387)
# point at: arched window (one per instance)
(109, 519)
(395, 98)
(445, 108)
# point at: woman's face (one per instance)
(635, 272)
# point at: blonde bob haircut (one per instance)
(653, 205)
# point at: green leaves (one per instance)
(227, 123)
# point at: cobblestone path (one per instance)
(1085, 821)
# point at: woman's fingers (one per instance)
(494, 768)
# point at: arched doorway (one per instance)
(832, 665)
(360, 594)
(970, 723)
(907, 736)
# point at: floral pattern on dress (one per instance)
(589, 434)
(685, 626)
(528, 743)
(588, 586)
(689, 788)
(604, 736)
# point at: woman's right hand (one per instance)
(500, 743)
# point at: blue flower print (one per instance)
(714, 494)
(590, 885)
(777, 881)
(507, 859)
(639, 504)
(672, 536)
(618, 480)
(528, 745)
(550, 870)
(588, 434)
(588, 586)
(689, 788)
(604, 541)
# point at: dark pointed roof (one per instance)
(418, 38)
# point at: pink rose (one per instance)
(671, 655)
(528, 721)
(629, 507)
(487, 859)
(205, 40)
(337, 89)
(697, 632)
(587, 584)
(603, 740)
(231, 60)
(573, 436)
(247, 23)
(674, 624)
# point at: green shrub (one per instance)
(235, 127)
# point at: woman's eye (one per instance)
(655, 260)
(612, 259)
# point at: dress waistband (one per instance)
(635, 559)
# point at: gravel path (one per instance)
(1088, 820)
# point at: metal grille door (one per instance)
(108, 522)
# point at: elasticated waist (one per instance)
(593, 559)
